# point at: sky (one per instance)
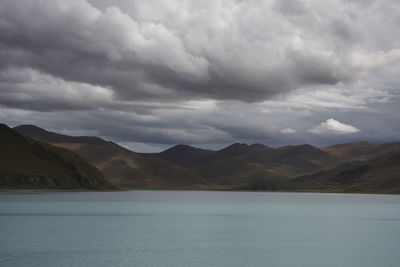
(152, 74)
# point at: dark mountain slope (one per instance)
(258, 167)
(361, 151)
(130, 171)
(218, 167)
(380, 175)
(30, 164)
(235, 149)
(384, 150)
(51, 137)
(306, 152)
(124, 168)
(183, 155)
(255, 153)
(351, 151)
(238, 163)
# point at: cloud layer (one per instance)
(201, 72)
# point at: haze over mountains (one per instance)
(354, 167)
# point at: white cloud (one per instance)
(332, 126)
(40, 91)
(336, 97)
(287, 131)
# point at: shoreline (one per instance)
(191, 190)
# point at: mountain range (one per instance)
(356, 167)
(120, 166)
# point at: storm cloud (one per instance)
(201, 72)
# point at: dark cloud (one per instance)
(140, 58)
(201, 72)
(292, 7)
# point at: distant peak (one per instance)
(182, 146)
(29, 127)
(184, 151)
(238, 145)
(179, 147)
(26, 126)
(306, 146)
(48, 136)
(257, 145)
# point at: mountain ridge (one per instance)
(122, 167)
(40, 133)
(237, 166)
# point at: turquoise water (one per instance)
(186, 228)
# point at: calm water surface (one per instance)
(186, 228)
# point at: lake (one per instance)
(198, 228)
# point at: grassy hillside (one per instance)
(239, 164)
(355, 151)
(31, 164)
(362, 150)
(121, 167)
(374, 176)
(130, 171)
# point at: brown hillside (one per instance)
(30, 164)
